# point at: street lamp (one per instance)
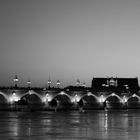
(84, 84)
(78, 82)
(14, 97)
(29, 84)
(124, 100)
(49, 83)
(15, 81)
(101, 99)
(58, 83)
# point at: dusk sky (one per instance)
(68, 40)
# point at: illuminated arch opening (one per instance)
(89, 102)
(62, 101)
(31, 93)
(30, 99)
(114, 95)
(22, 101)
(113, 102)
(3, 101)
(53, 103)
(63, 93)
(3, 98)
(133, 102)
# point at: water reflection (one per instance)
(99, 125)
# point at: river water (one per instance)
(89, 125)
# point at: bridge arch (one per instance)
(3, 97)
(31, 97)
(54, 102)
(89, 101)
(62, 94)
(62, 101)
(31, 93)
(89, 94)
(113, 101)
(134, 96)
(113, 95)
(133, 101)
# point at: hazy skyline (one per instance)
(68, 40)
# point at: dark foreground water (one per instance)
(94, 125)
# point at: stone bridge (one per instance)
(84, 98)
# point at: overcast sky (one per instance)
(68, 40)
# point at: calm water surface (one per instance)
(94, 125)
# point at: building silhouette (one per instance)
(115, 84)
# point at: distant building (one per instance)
(115, 84)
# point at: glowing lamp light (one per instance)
(89, 94)
(112, 94)
(78, 82)
(49, 82)
(46, 98)
(30, 92)
(58, 83)
(49, 99)
(16, 79)
(29, 83)
(84, 84)
(76, 98)
(124, 100)
(11, 99)
(14, 98)
(62, 93)
(134, 95)
(101, 99)
(103, 85)
(127, 87)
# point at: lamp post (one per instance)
(58, 84)
(49, 83)
(29, 84)
(78, 83)
(84, 84)
(15, 81)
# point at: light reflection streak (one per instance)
(15, 129)
(29, 131)
(106, 121)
